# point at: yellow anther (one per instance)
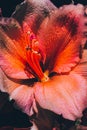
(45, 78)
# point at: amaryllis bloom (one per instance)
(43, 60)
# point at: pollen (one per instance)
(45, 78)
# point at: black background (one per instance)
(8, 6)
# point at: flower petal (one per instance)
(11, 27)
(9, 61)
(24, 97)
(33, 12)
(61, 35)
(22, 94)
(19, 51)
(81, 68)
(64, 95)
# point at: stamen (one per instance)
(34, 57)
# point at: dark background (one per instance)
(8, 6)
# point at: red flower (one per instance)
(45, 62)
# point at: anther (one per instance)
(29, 32)
(27, 48)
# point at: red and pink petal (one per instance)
(20, 55)
(60, 34)
(64, 95)
(24, 97)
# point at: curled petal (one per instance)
(64, 95)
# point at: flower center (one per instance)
(33, 56)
